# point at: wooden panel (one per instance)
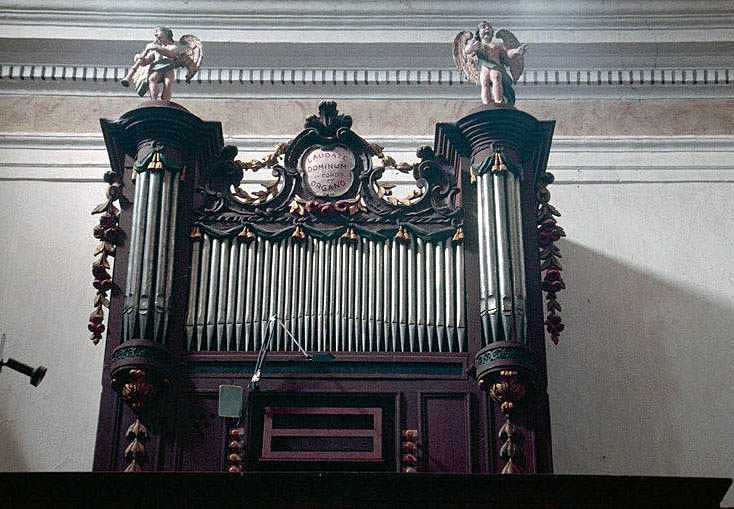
(445, 433)
(199, 434)
(345, 446)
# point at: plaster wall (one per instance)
(640, 383)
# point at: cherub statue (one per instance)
(156, 64)
(484, 62)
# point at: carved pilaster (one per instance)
(167, 146)
(507, 388)
(508, 150)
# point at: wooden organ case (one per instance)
(420, 318)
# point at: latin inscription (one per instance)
(329, 172)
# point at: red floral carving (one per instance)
(106, 232)
(548, 233)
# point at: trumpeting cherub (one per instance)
(486, 62)
(153, 70)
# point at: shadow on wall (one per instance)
(641, 382)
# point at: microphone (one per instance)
(224, 390)
(36, 375)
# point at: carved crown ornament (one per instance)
(325, 176)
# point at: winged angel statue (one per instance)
(486, 62)
(156, 64)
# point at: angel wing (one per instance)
(516, 64)
(467, 64)
(191, 58)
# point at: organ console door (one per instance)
(403, 331)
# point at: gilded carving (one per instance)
(508, 389)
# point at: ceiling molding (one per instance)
(573, 160)
(534, 84)
(372, 21)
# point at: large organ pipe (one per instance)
(519, 264)
(169, 257)
(501, 256)
(516, 259)
(158, 293)
(136, 247)
(504, 267)
(149, 252)
(491, 322)
(149, 278)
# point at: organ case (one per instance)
(426, 308)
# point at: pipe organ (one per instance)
(339, 294)
(426, 310)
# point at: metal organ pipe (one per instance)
(356, 295)
(149, 278)
(501, 257)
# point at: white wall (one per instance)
(641, 382)
(45, 300)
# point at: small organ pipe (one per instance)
(193, 292)
(222, 294)
(251, 276)
(349, 296)
(229, 326)
(440, 296)
(203, 292)
(241, 284)
(451, 297)
(421, 292)
(211, 308)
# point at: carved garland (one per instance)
(107, 233)
(508, 390)
(302, 207)
(548, 233)
(271, 188)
